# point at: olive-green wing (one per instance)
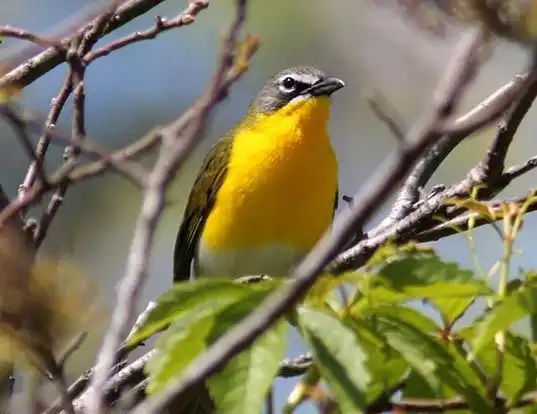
(336, 201)
(201, 199)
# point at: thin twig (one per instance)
(414, 405)
(56, 107)
(387, 116)
(20, 127)
(72, 347)
(15, 32)
(453, 133)
(460, 222)
(420, 217)
(72, 173)
(58, 378)
(185, 18)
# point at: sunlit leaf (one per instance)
(191, 297)
(406, 314)
(322, 290)
(240, 388)
(386, 367)
(189, 336)
(339, 356)
(505, 313)
(436, 365)
(519, 367)
(176, 348)
(424, 276)
(480, 207)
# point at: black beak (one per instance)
(325, 87)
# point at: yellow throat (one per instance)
(278, 196)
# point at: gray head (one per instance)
(294, 84)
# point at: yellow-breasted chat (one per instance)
(266, 191)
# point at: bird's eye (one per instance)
(288, 84)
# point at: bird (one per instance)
(267, 190)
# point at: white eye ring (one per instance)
(287, 84)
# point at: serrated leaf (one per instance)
(432, 361)
(240, 388)
(191, 297)
(339, 357)
(189, 336)
(385, 366)
(424, 276)
(510, 310)
(519, 367)
(424, 269)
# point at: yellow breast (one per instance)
(280, 185)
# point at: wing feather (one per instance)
(200, 201)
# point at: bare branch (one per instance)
(439, 406)
(187, 17)
(387, 116)
(9, 31)
(454, 132)
(517, 170)
(20, 127)
(421, 217)
(56, 107)
(70, 172)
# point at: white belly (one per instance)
(273, 260)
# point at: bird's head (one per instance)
(301, 87)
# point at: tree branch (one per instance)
(48, 59)
(185, 18)
(454, 132)
(421, 216)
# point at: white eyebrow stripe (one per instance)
(306, 78)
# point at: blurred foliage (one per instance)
(513, 19)
(43, 305)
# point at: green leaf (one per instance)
(417, 387)
(519, 367)
(176, 348)
(434, 363)
(189, 336)
(403, 313)
(424, 276)
(385, 366)
(421, 275)
(240, 388)
(421, 270)
(340, 358)
(190, 298)
(505, 313)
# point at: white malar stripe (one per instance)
(271, 260)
